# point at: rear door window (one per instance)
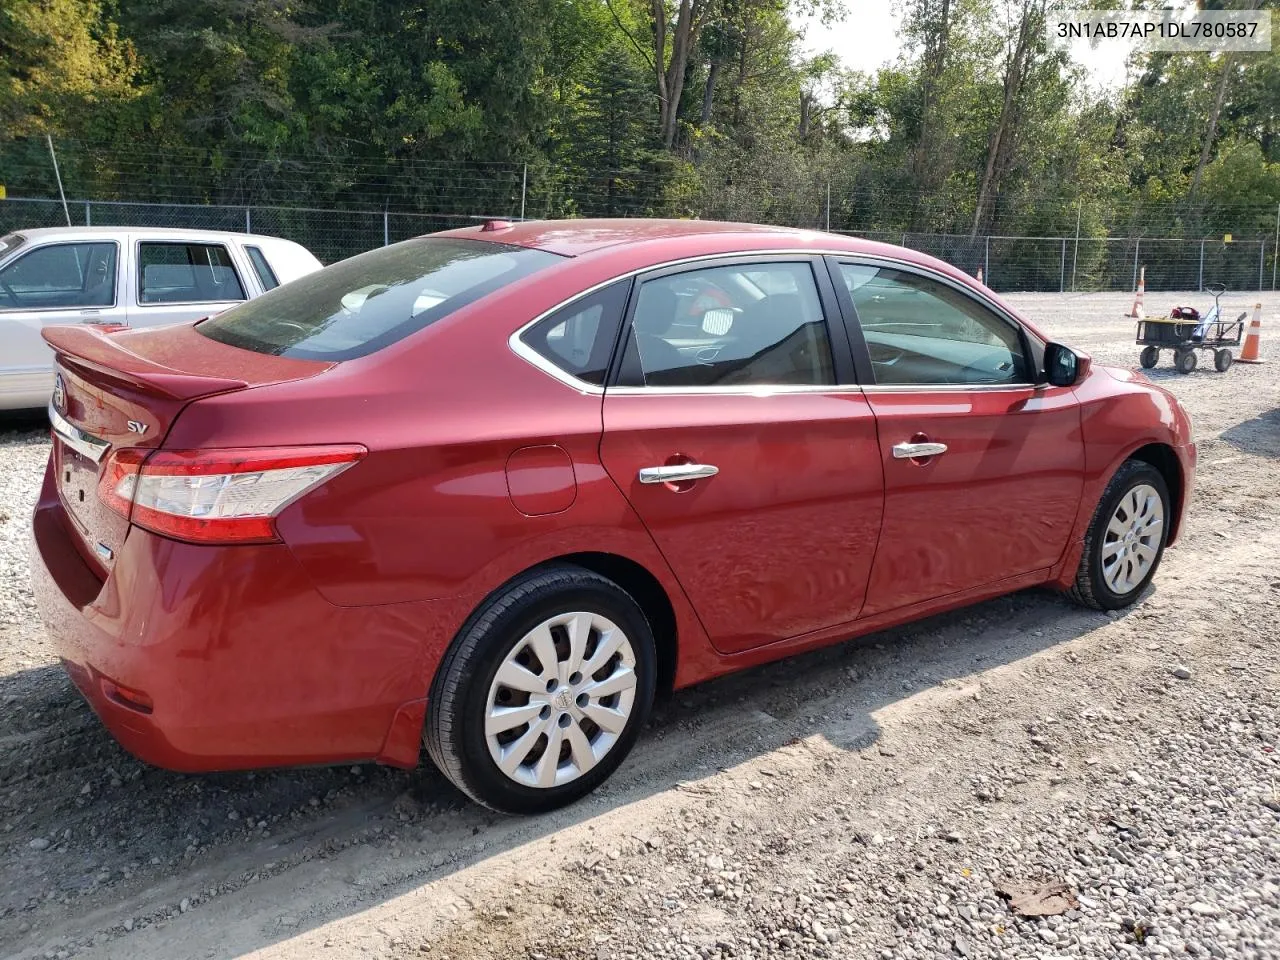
(364, 303)
(266, 276)
(186, 273)
(60, 276)
(732, 326)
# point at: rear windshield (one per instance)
(363, 304)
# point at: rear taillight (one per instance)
(217, 496)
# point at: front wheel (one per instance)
(1222, 359)
(1125, 540)
(1185, 360)
(1149, 357)
(544, 692)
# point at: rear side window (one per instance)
(266, 276)
(60, 276)
(579, 338)
(362, 304)
(186, 273)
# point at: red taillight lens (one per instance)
(217, 496)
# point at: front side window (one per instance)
(186, 273)
(61, 276)
(922, 331)
(751, 325)
(364, 303)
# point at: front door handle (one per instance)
(674, 473)
(914, 451)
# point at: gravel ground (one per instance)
(869, 800)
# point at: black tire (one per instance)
(1222, 360)
(454, 734)
(1149, 357)
(1185, 360)
(1091, 588)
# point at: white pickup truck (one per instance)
(122, 276)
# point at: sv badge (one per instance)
(137, 426)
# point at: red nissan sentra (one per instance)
(489, 490)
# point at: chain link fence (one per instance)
(1008, 263)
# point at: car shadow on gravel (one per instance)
(93, 838)
(1260, 436)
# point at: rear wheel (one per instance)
(1125, 540)
(1149, 357)
(1185, 360)
(544, 692)
(1222, 360)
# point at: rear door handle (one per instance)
(912, 451)
(673, 473)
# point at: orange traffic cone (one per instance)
(1137, 300)
(1250, 352)
(980, 280)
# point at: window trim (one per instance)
(1032, 347)
(115, 286)
(249, 250)
(174, 242)
(838, 291)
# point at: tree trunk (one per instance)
(924, 162)
(708, 94)
(671, 80)
(1015, 73)
(1211, 133)
(806, 107)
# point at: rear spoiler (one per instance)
(103, 356)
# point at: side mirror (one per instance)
(1063, 367)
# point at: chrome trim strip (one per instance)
(950, 387)
(531, 356)
(763, 390)
(82, 443)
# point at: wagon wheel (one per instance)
(1149, 357)
(1184, 360)
(1222, 360)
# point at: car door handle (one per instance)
(673, 473)
(912, 451)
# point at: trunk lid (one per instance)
(124, 390)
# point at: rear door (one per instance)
(983, 466)
(175, 280)
(734, 429)
(54, 283)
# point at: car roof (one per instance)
(577, 237)
(43, 233)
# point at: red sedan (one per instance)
(489, 490)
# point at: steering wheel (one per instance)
(296, 326)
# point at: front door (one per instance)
(734, 431)
(983, 467)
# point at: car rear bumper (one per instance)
(1187, 461)
(202, 658)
